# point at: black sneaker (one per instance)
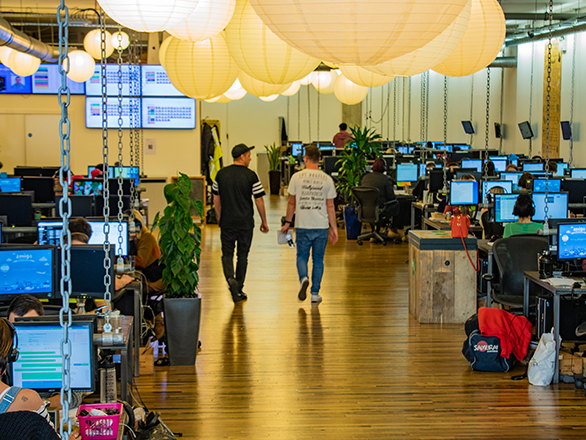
(234, 290)
(303, 289)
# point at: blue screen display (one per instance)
(503, 208)
(463, 147)
(557, 205)
(297, 149)
(10, 184)
(532, 167)
(128, 173)
(472, 163)
(550, 185)
(571, 241)
(507, 185)
(500, 165)
(407, 172)
(26, 271)
(110, 171)
(155, 82)
(463, 192)
(562, 166)
(578, 173)
(10, 82)
(513, 177)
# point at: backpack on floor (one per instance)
(484, 353)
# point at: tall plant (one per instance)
(274, 154)
(354, 158)
(180, 248)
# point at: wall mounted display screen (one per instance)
(93, 112)
(571, 241)
(47, 80)
(503, 208)
(168, 113)
(10, 82)
(155, 82)
(557, 205)
(130, 81)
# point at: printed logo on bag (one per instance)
(484, 347)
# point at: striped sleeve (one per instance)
(215, 188)
(257, 189)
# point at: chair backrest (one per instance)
(25, 425)
(368, 201)
(515, 255)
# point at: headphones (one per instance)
(13, 355)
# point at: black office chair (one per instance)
(25, 425)
(515, 255)
(369, 211)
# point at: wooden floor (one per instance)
(356, 367)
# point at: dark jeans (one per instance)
(229, 239)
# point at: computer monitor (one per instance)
(461, 172)
(17, 208)
(110, 171)
(126, 184)
(562, 167)
(297, 149)
(436, 180)
(27, 269)
(39, 365)
(87, 271)
(557, 205)
(23, 171)
(326, 146)
(500, 165)
(526, 131)
(332, 165)
(566, 130)
(503, 208)
(578, 173)
(571, 241)
(403, 150)
(49, 232)
(81, 206)
(464, 192)
(98, 235)
(576, 189)
(533, 166)
(463, 147)
(487, 185)
(10, 185)
(468, 129)
(472, 163)
(99, 205)
(88, 187)
(407, 172)
(549, 185)
(128, 173)
(43, 187)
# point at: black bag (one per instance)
(484, 353)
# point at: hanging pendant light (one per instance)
(92, 43)
(330, 88)
(295, 86)
(260, 88)
(5, 53)
(163, 49)
(81, 66)
(222, 99)
(23, 64)
(268, 98)
(306, 80)
(348, 92)
(208, 18)
(124, 41)
(363, 77)
(235, 92)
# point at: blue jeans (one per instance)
(314, 241)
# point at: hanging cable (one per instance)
(486, 133)
(422, 108)
(309, 114)
(394, 111)
(471, 106)
(318, 109)
(531, 97)
(445, 155)
(404, 96)
(575, 43)
(548, 117)
(409, 112)
(382, 110)
(65, 212)
(501, 111)
(389, 112)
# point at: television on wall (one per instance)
(526, 131)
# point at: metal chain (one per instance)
(318, 108)
(404, 95)
(531, 97)
(309, 113)
(575, 43)
(299, 116)
(445, 155)
(382, 111)
(486, 133)
(395, 110)
(64, 212)
(427, 88)
(471, 107)
(106, 192)
(422, 109)
(139, 130)
(120, 259)
(409, 112)
(547, 117)
(288, 115)
(134, 111)
(501, 110)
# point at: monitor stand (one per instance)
(81, 306)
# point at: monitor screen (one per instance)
(87, 271)
(47, 81)
(472, 163)
(49, 232)
(110, 171)
(500, 165)
(566, 130)
(17, 208)
(168, 113)
(407, 172)
(571, 241)
(155, 82)
(127, 173)
(27, 269)
(43, 188)
(562, 167)
(463, 147)
(39, 365)
(533, 167)
(578, 173)
(526, 130)
(403, 150)
(576, 189)
(549, 185)
(297, 149)
(487, 185)
(498, 157)
(93, 86)
(130, 107)
(463, 192)
(10, 184)
(98, 235)
(88, 187)
(326, 147)
(557, 205)
(503, 208)
(468, 129)
(10, 82)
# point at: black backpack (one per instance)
(484, 353)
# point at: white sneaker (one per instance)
(303, 289)
(316, 299)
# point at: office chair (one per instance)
(515, 255)
(25, 424)
(369, 211)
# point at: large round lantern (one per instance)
(326, 90)
(120, 39)
(23, 64)
(357, 32)
(92, 43)
(209, 18)
(5, 53)
(363, 77)
(235, 92)
(481, 43)
(201, 70)
(295, 86)
(163, 49)
(433, 53)
(306, 80)
(222, 99)
(321, 78)
(268, 98)
(81, 66)
(148, 15)
(260, 88)
(347, 92)
(260, 53)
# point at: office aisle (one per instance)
(356, 367)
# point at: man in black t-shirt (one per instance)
(233, 190)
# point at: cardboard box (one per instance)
(147, 360)
(570, 365)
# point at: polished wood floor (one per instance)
(358, 366)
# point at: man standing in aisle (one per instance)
(311, 198)
(342, 136)
(233, 190)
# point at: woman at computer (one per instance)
(524, 209)
(491, 230)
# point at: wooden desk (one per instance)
(533, 277)
(121, 325)
(425, 211)
(444, 225)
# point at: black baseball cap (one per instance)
(240, 149)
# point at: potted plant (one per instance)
(362, 146)
(180, 243)
(274, 156)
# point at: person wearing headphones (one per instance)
(380, 181)
(524, 209)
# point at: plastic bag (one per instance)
(542, 364)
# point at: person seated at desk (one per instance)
(524, 209)
(380, 181)
(488, 168)
(552, 166)
(524, 180)
(512, 168)
(491, 230)
(423, 184)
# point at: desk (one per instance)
(444, 225)
(124, 323)
(533, 277)
(483, 246)
(425, 211)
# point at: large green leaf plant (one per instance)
(274, 156)
(180, 247)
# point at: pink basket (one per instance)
(99, 427)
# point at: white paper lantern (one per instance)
(260, 88)
(363, 77)
(92, 43)
(268, 98)
(321, 78)
(124, 41)
(5, 53)
(481, 43)
(260, 53)
(201, 70)
(433, 53)
(330, 88)
(82, 66)
(295, 86)
(348, 92)
(23, 64)
(235, 92)
(305, 81)
(209, 18)
(357, 32)
(222, 99)
(148, 15)
(163, 49)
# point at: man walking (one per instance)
(311, 198)
(233, 190)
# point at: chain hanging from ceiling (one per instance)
(118, 168)
(486, 133)
(422, 108)
(299, 116)
(394, 111)
(309, 114)
(531, 96)
(501, 111)
(409, 112)
(573, 94)
(471, 140)
(548, 115)
(445, 155)
(427, 89)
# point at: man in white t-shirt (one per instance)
(311, 199)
